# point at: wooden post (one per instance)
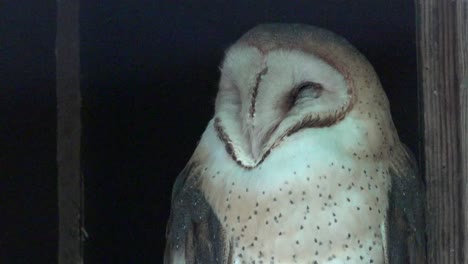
(464, 145)
(70, 190)
(462, 43)
(442, 61)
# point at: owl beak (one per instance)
(251, 139)
(258, 138)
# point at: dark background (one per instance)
(28, 176)
(149, 76)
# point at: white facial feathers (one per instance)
(262, 95)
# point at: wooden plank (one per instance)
(462, 44)
(464, 145)
(442, 60)
(70, 190)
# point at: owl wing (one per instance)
(406, 241)
(194, 234)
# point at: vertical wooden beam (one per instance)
(442, 62)
(70, 190)
(464, 145)
(462, 43)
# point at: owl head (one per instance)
(279, 79)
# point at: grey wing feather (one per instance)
(406, 237)
(194, 233)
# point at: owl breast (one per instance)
(310, 201)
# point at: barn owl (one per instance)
(301, 162)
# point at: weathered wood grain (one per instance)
(464, 158)
(462, 22)
(69, 132)
(442, 61)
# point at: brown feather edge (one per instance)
(404, 162)
(253, 100)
